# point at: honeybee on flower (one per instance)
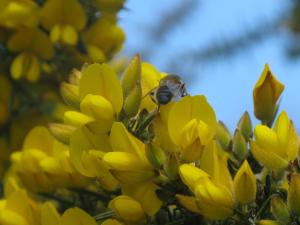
(170, 87)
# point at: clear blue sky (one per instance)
(227, 83)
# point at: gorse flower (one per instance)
(63, 19)
(113, 155)
(44, 163)
(32, 45)
(16, 13)
(129, 164)
(211, 185)
(276, 147)
(192, 125)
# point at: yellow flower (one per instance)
(87, 151)
(103, 39)
(74, 216)
(63, 19)
(127, 209)
(211, 185)
(276, 147)
(129, 164)
(99, 105)
(266, 92)
(18, 13)
(32, 45)
(19, 209)
(212, 200)
(192, 125)
(294, 194)
(44, 163)
(245, 184)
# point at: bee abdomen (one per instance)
(164, 95)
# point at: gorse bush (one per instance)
(131, 147)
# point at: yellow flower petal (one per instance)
(215, 202)
(39, 138)
(145, 193)
(185, 110)
(76, 119)
(31, 40)
(69, 35)
(122, 140)
(111, 222)
(268, 158)
(127, 209)
(190, 174)
(76, 216)
(101, 80)
(189, 203)
(97, 107)
(49, 215)
(81, 142)
(150, 78)
(63, 12)
(12, 218)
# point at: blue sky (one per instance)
(228, 82)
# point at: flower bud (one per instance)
(266, 93)
(239, 145)
(171, 166)
(279, 210)
(132, 75)
(131, 84)
(155, 155)
(69, 93)
(294, 194)
(132, 101)
(127, 209)
(245, 126)
(223, 135)
(245, 184)
(61, 132)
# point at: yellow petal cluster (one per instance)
(74, 216)
(44, 164)
(129, 164)
(192, 125)
(276, 147)
(19, 209)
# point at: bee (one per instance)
(170, 88)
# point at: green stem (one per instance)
(263, 207)
(105, 215)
